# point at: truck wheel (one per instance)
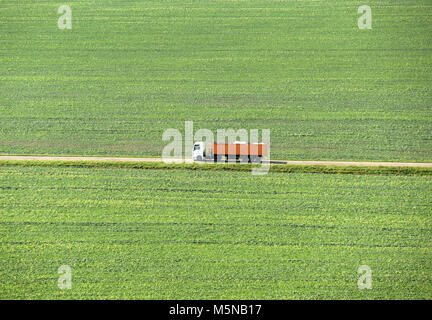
(199, 158)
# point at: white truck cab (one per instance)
(198, 152)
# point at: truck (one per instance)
(238, 151)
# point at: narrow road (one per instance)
(333, 163)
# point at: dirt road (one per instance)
(333, 163)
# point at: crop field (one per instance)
(195, 234)
(128, 70)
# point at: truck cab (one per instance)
(198, 152)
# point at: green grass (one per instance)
(128, 70)
(159, 234)
(281, 168)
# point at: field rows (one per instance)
(129, 70)
(162, 234)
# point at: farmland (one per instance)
(194, 234)
(128, 70)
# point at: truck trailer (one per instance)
(237, 151)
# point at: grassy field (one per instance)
(129, 233)
(280, 168)
(128, 70)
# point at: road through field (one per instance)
(292, 162)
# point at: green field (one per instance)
(128, 70)
(194, 234)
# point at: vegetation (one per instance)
(195, 234)
(128, 70)
(286, 168)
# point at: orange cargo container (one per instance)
(231, 152)
(240, 149)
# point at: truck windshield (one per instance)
(196, 147)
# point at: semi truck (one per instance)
(237, 151)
